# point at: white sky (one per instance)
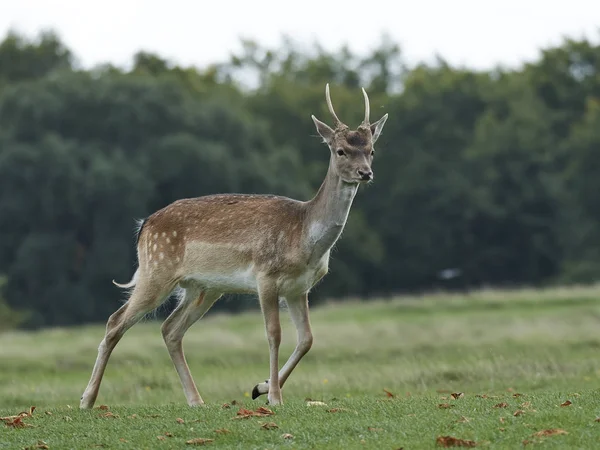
(476, 33)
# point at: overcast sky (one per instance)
(476, 33)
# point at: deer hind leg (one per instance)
(194, 304)
(298, 308)
(146, 296)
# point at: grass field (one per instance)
(515, 356)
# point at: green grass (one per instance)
(541, 344)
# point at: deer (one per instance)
(269, 245)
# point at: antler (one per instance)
(367, 108)
(330, 106)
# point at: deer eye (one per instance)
(340, 152)
(372, 152)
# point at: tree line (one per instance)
(492, 174)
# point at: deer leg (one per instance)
(144, 298)
(269, 303)
(298, 308)
(192, 307)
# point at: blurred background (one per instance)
(487, 173)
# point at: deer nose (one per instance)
(365, 175)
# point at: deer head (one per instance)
(351, 150)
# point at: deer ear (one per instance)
(324, 130)
(377, 127)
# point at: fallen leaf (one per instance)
(17, 422)
(244, 413)
(48, 413)
(40, 445)
(167, 434)
(161, 438)
(269, 426)
(457, 395)
(567, 403)
(501, 405)
(526, 405)
(222, 431)
(180, 420)
(287, 436)
(482, 395)
(388, 394)
(123, 440)
(550, 432)
(199, 441)
(315, 403)
(445, 406)
(226, 406)
(374, 429)
(264, 411)
(103, 407)
(449, 441)
(518, 412)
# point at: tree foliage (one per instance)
(492, 174)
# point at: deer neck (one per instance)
(328, 212)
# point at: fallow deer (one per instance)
(233, 243)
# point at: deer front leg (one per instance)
(298, 308)
(269, 303)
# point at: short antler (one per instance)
(338, 122)
(367, 108)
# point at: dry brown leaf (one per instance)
(269, 426)
(226, 406)
(222, 431)
(103, 407)
(180, 420)
(501, 405)
(457, 395)
(482, 395)
(518, 412)
(244, 413)
(388, 394)
(550, 432)
(445, 406)
(108, 415)
(167, 434)
(567, 403)
(161, 438)
(199, 441)
(287, 436)
(449, 441)
(526, 405)
(375, 429)
(17, 422)
(40, 445)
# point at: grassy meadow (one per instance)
(511, 359)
